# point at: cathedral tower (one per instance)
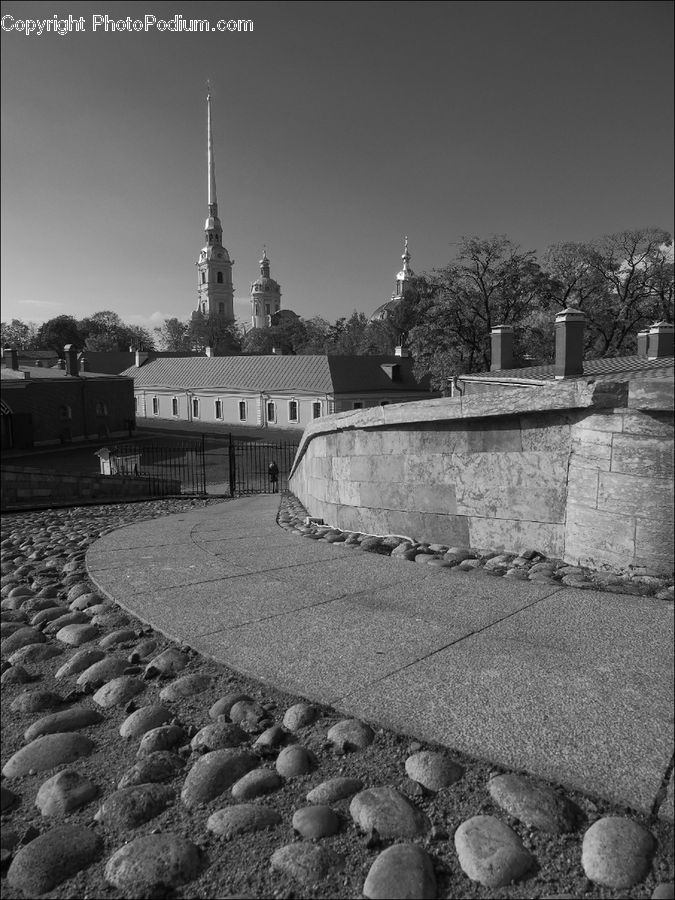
(214, 267)
(265, 296)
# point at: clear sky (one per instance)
(338, 129)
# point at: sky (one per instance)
(339, 128)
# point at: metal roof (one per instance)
(624, 365)
(311, 374)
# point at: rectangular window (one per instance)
(292, 410)
(242, 411)
(195, 408)
(174, 406)
(316, 409)
(219, 409)
(221, 309)
(357, 404)
(136, 405)
(155, 406)
(271, 411)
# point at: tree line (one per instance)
(623, 282)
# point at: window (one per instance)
(316, 409)
(221, 309)
(292, 410)
(174, 406)
(136, 405)
(219, 409)
(195, 408)
(267, 309)
(65, 412)
(155, 406)
(220, 278)
(101, 409)
(271, 411)
(203, 277)
(242, 411)
(357, 404)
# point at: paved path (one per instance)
(574, 686)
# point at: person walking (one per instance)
(273, 471)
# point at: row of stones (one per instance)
(380, 810)
(529, 565)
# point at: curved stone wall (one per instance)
(579, 471)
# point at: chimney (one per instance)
(11, 357)
(660, 341)
(642, 342)
(569, 343)
(142, 357)
(501, 357)
(82, 361)
(400, 350)
(71, 360)
(208, 351)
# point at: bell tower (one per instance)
(265, 295)
(215, 291)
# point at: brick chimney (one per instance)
(642, 342)
(569, 343)
(501, 351)
(11, 358)
(660, 340)
(72, 367)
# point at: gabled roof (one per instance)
(614, 365)
(311, 374)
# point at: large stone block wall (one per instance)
(24, 488)
(573, 478)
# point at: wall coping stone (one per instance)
(643, 394)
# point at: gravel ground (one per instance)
(43, 569)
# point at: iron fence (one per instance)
(208, 465)
(249, 462)
(172, 467)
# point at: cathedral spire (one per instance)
(405, 256)
(213, 202)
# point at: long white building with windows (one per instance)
(277, 391)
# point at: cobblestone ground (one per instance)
(135, 768)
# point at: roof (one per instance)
(613, 365)
(112, 362)
(36, 373)
(312, 374)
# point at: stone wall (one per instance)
(579, 471)
(24, 488)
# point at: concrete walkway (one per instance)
(574, 686)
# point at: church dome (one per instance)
(264, 283)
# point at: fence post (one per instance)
(232, 466)
(203, 463)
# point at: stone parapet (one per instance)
(24, 488)
(581, 471)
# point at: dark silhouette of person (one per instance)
(273, 471)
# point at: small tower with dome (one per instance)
(215, 291)
(404, 283)
(265, 295)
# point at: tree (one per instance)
(56, 333)
(19, 334)
(623, 282)
(223, 337)
(491, 282)
(259, 341)
(316, 336)
(173, 335)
